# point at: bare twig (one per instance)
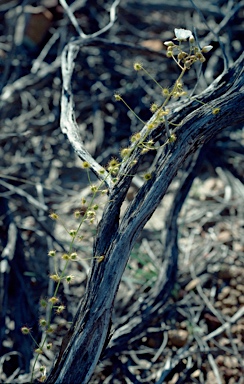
(28, 197)
(95, 34)
(226, 325)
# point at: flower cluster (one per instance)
(182, 58)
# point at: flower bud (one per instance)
(169, 44)
(169, 54)
(207, 48)
(172, 138)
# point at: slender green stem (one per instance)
(143, 122)
(177, 62)
(51, 305)
(199, 101)
(155, 81)
(174, 88)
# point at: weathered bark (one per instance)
(143, 312)
(116, 236)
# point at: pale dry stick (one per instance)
(27, 81)
(210, 359)
(72, 19)
(95, 34)
(108, 379)
(228, 180)
(161, 348)
(180, 6)
(201, 342)
(228, 185)
(150, 253)
(4, 136)
(214, 368)
(22, 119)
(68, 122)
(68, 58)
(8, 252)
(204, 297)
(226, 325)
(40, 194)
(39, 60)
(13, 15)
(231, 180)
(182, 352)
(198, 10)
(22, 193)
(31, 79)
(4, 358)
(199, 70)
(137, 360)
(168, 366)
(189, 245)
(229, 13)
(205, 347)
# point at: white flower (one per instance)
(182, 34)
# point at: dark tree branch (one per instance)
(146, 310)
(83, 345)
